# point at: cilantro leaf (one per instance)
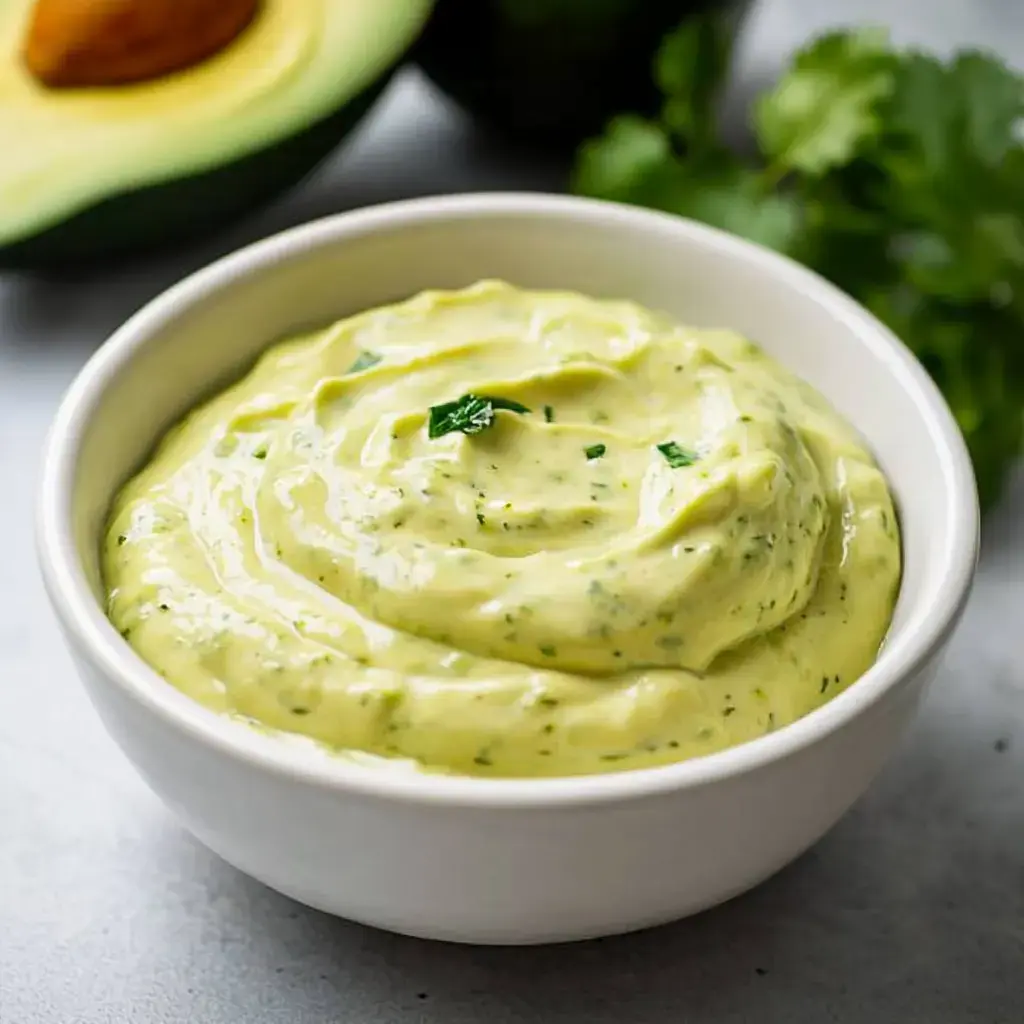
(981, 262)
(845, 235)
(991, 105)
(690, 68)
(677, 456)
(720, 192)
(469, 414)
(824, 110)
(949, 115)
(626, 163)
(944, 157)
(955, 192)
(920, 117)
(739, 202)
(974, 354)
(595, 451)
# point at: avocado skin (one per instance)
(552, 72)
(183, 209)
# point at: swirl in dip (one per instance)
(507, 532)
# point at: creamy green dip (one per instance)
(638, 543)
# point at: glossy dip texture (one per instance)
(638, 543)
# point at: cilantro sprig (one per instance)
(897, 175)
(470, 414)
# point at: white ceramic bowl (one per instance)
(510, 861)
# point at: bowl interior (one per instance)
(206, 331)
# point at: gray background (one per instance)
(911, 910)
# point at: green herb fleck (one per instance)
(260, 452)
(364, 361)
(595, 451)
(469, 414)
(547, 650)
(549, 414)
(677, 456)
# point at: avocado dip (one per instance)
(509, 533)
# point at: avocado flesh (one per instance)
(105, 171)
(552, 71)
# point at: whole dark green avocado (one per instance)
(553, 71)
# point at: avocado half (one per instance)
(99, 173)
(553, 72)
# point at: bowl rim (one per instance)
(84, 622)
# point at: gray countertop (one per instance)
(910, 910)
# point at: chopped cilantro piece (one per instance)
(677, 456)
(469, 414)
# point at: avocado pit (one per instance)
(76, 43)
